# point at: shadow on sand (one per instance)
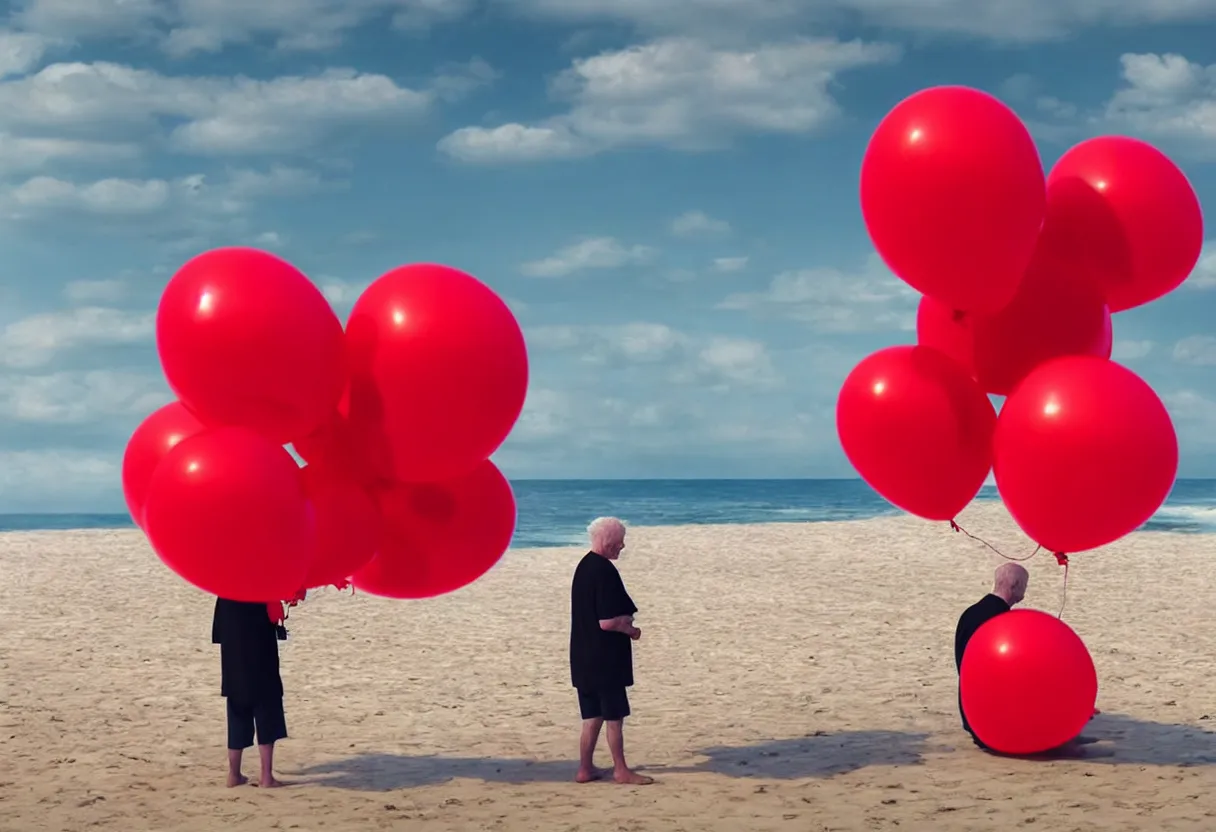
(1113, 739)
(1117, 739)
(822, 755)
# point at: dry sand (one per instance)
(790, 677)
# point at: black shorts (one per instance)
(610, 704)
(267, 718)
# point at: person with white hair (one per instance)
(1008, 590)
(601, 651)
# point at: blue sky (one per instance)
(666, 193)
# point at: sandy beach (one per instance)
(790, 677)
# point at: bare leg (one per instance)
(235, 778)
(621, 772)
(267, 781)
(587, 772)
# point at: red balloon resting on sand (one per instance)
(917, 429)
(1084, 453)
(227, 511)
(246, 339)
(1028, 683)
(953, 194)
(148, 445)
(1053, 314)
(348, 525)
(1125, 217)
(439, 371)
(439, 537)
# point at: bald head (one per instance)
(607, 536)
(1010, 582)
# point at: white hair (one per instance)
(604, 532)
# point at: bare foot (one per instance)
(235, 780)
(632, 778)
(588, 776)
(270, 783)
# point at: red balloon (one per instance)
(1053, 314)
(1028, 684)
(917, 429)
(946, 330)
(1084, 453)
(952, 192)
(1124, 216)
(155, 437)
(246, 339)
(227, 511)
(439, 371)
(348, 526)
(439, 537)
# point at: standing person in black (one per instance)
(250, 681)
(601, 650)
(1009, 588)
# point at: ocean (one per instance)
(556, 512)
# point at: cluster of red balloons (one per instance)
(1020, 273)
(396, 416)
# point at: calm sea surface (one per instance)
(556, 512)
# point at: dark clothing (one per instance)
(266, 717)
(610, 704)
(599, 659)
(975, 616)
(249, 652)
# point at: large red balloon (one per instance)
(1122, 214)
(439, 371)
(155, 437)
(227, 511)
(1053, 314)
(917, 429)
(1028, 684)
(952, 191)
(1084, 453)
(439, 537)
(246, 339)
(348, 525)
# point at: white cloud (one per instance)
(20, 52)
(1204, 274)
(592, 253)
(679, 93)
(35, 341)
(1003, 20)
(1199, 350)
(831, 300)
(186, 27)
(717, 362)
(75, 398)
(1166, 97)
(85, 292)
(1194, 417)
(1131, 350)
(342, 294)
(698, 223)
(58, 479)
(731, 264)
(25, 154)
(219, 116)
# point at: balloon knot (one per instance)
(341, 585)
(954, 527)
(1061, 558)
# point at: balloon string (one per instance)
(1061, 559)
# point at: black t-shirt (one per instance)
(975, 616)
(599, 659)
(249, 652)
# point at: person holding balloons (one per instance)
(249, 665)
(601, 650)
(1008, 590)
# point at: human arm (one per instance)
(620, 624)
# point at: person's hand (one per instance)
(635, 634)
